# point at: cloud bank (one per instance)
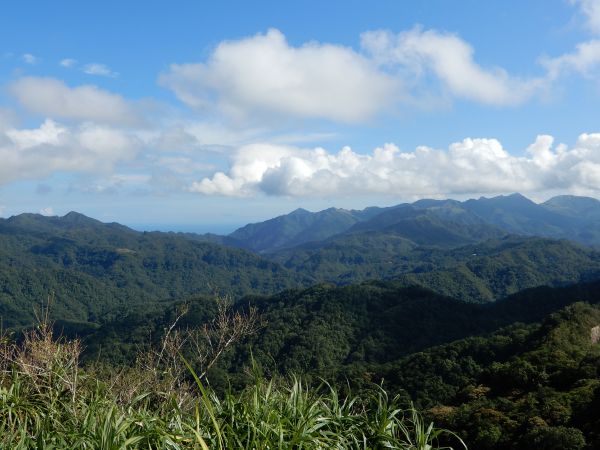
(52, 147)
(472, 166)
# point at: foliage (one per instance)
(60, 406)
(481, 272)
(96, 271)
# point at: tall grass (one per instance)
(48, 402)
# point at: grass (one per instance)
(48, 402)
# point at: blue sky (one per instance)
(207, 115)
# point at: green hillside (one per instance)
(526, 386)
(94, 271)
(479, 272)
(510, 374)
(298, 227)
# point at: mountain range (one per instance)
(476, 251)
(433, 222)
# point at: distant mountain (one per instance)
(298, 227)
(581, 208)
(562, 217)
(517, 214)
(36, 223)
(442, 223)
(444, 226)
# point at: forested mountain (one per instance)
(326, 329)
(585, 208)
(478, 272)
(519, 373)
(439, 226)
(523, 387)
(298, 227)
(435, 222)
(94, 270)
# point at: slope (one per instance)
(93, 270)
(298, 227)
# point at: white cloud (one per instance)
(52, 147)
(472, 166)
(28, 58)
(451, 60)
(585, 60)
(53, 98)
(591, 9)
(47, 211)
(99, 69)
(263, 74)
(68, 62)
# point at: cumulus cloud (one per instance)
(472, 166)
(451, 60)
(52, 147)
(264, 74)
(53, 98)
(47, 211)
(99, 69)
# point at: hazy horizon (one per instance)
(225, 228)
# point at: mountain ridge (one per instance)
(560, 217)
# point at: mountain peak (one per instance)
(74, 215)
(300, 211)
(516, 197)
(572, 199)
(573, 206)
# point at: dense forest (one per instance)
(482, 315)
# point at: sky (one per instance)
(204, 116)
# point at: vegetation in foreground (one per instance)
(48, 401)
(521, 373)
